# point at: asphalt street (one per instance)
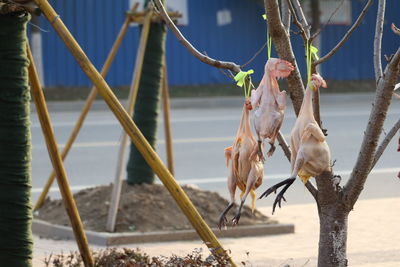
(202, 128)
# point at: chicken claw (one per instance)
(288, 182)
(271, 150)
(222, 218)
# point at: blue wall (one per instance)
(96, 23)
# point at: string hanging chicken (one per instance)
(246, 170)
(310, 152)
(271, 101)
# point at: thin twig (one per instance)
(385, 143)
(203, 58)
(395, 29)
(301, 17)
(378, 40)
(284, 145)
(327, 23)
(297, 22)
(285, 15)
(346, 36)
(255, 55)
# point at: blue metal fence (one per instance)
(95, 25)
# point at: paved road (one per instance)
(200, 135)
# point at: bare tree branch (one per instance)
(305, 28)
(286, 15)
(284, 49)
(319, 30)
(378, 39)
(203, 58)
(385, 143)
(284, 145)
(347, 35)
(296, 21)
(395, 29)
(377, 117)
(300, 16)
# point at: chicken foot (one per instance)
(286, 183)
(271, 149)
(222, 218)
(254, 175)
(232, 190)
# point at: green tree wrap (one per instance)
(15, 145)
(147, 104)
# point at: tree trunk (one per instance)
(15, 144)
(147, 103)
(332, 235)
(333, 214)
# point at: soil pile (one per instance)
(144, 208)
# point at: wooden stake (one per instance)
(167, 122)
(137, 137)
(85, 109)
(137, 74)
(58, 166)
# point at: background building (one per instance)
(231, 30)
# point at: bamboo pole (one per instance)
(137, 74)
(167, 121)
(58, 166)
(137, 137)
(86, 108)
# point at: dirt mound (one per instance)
(144, 208)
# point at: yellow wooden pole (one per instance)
(130, 127)
(85, 109)
(137, 74)
(167, 121)
(58, 166)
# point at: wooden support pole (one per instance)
(167, 121)
(58, 166)
(151, 157)
(137, 74)
(85, 109)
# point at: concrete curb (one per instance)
(48, 230)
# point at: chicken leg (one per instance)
(255, 174)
